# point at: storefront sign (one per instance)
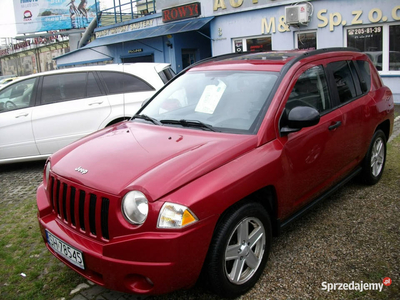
(138, 50)
(181, 12)
(333, 20)
(125, 28)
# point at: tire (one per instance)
(239, 250)
(374, 161)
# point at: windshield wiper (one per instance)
(147, 118)
(189, 123)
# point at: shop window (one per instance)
(259, 44)
(253, 44)
(188, 57)
(380, 43)
(394, 47)
(306, 40)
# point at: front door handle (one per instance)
(336, 125)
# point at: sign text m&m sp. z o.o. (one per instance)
(181, 12)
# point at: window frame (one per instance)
(385, 44)
(296, 37)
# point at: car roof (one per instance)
(138, 69)
(272, 61)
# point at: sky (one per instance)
(7, 19)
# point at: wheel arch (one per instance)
(385, 127)
(265, 196)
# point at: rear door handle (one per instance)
(22, 115)
(336, 125)
(93, 103)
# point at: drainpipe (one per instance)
(88, 32)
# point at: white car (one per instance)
(44, 112)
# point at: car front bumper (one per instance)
(147, 263)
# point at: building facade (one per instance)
(181, 32)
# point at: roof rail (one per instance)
(233, 55)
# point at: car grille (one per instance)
(86, 211)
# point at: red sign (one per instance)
(181, 12)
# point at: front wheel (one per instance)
(374, 161)
(239, 250)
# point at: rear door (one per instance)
(351, 83)
(72, 105)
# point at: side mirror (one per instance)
(300, 117)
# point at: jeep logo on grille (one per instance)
(81, 170)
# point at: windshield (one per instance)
(226, 101)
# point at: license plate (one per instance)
(68, 252)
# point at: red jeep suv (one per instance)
(211, 167)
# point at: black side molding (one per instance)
(308, 207)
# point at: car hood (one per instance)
(153, 159)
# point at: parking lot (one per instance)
(352, 237)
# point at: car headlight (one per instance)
(175, 216)
(135, 207)
(46, 176)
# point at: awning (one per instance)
(86, 54)
(173, 28)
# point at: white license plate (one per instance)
(68, 252)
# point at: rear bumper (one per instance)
(147, 263)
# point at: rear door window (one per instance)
(63, 87)
(118, 83)
(344, 80)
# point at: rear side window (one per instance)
(365, 74)
(344, 80)
(166, 74)
(118, 83)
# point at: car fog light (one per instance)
(175, 216)
(135, 207)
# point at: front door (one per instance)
(313, 156)
(16, 105)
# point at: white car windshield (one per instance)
(226, 101)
